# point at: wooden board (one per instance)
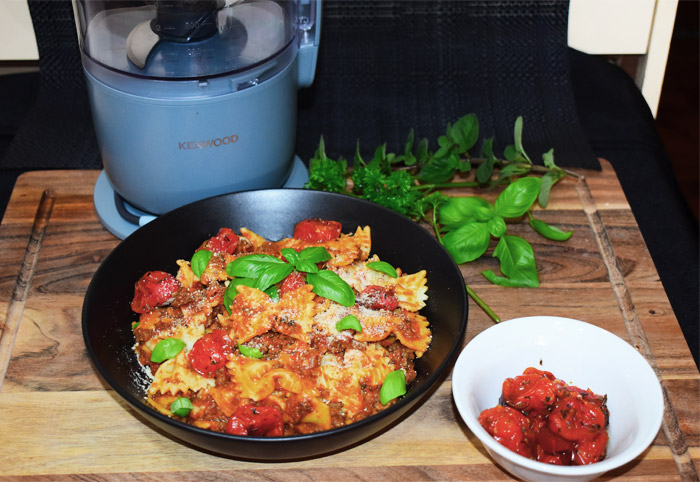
(60, 421)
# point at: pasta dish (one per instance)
(275, 338)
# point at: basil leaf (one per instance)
(329, 285)
(510, 153)
(497, 226)
(549, 232)
(485, 169)
(518, 138)
(517, 263)
(135, 325)
(181, 407)
(517, 198)
(468, 242)
(548, 181)
(548, 159)
(461, 210)
(166, 349)
(439, 170)
(251, 265)
(249, 351)
(231, 292)
(383, 267)
(349, 322)
(199, 261)
(314, 254)
(306, 259)
(273, 274)
(465, 132)
(393, 387)
(290, 255)
(511, 170)
(306, 267)
(273, 292)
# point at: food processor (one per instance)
(193, 98)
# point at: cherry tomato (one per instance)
(588, 452)
(154, 289)
(208, 354)
(576, 418)
(317, 230)
(225, 241)
(551, 442)
(378, 298)
(559, 458)
(533, 391)
(292, 282)
(256, 421)
(510, 428)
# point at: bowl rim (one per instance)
(620, 459)
(393, 413)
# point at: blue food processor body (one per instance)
(209, 110)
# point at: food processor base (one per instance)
(122, 219)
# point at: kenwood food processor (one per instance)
(193, 98)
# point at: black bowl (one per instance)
(272, 213)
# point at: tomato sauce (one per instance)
(542, 418)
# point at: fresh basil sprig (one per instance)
(393, 387)
(166, 349)
(306, 260)
(265, 271)
(517, 263)
(472, 221)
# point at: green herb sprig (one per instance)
(263, 271)
(411, 183)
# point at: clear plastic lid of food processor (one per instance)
(187, 39)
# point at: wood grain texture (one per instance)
(62, 422)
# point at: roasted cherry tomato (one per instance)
(256, 421)
(588, 452)
(533, 391)
(225, 241)
(510, 428)
(154, 289)
(558, 458)
(292, 282)
(550, 442)
(567, 425)
(576, 417)
(208, 354)
(378, 298)
(317, 230)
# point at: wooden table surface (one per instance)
(60, 421)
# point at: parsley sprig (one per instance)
(411, 183)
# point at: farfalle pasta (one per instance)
(274, 338)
